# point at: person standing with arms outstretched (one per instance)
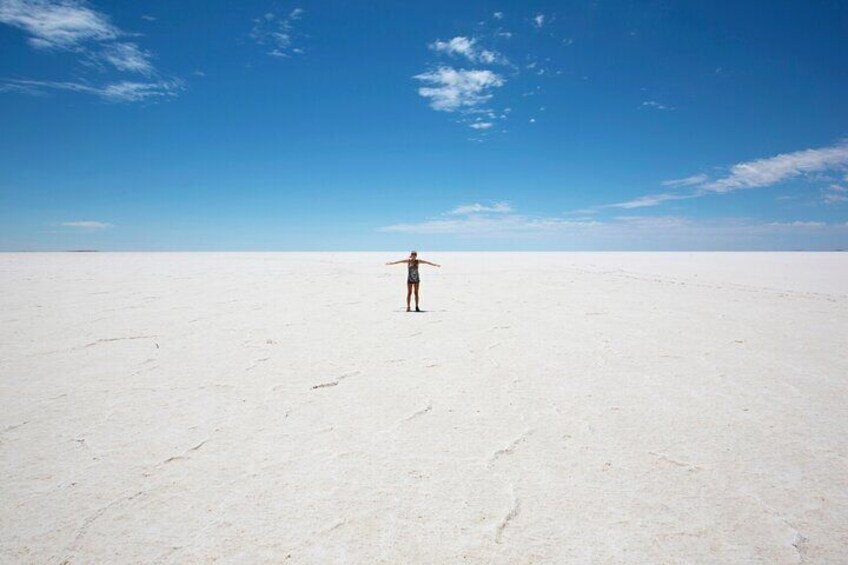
(412, 279)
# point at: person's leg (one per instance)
(408, 294)
(416, 295)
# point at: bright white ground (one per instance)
(609, 408)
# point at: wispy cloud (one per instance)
(688, 181)
(278, 32)
(835, 194)
(650, 200)
(128, 57)
(496, 208)
(468, 48)
(123, 91)
(773, 170)
(497, 218)
(505, 225)
(759, 173)
(653, 104)
(57, 24)
(539, 20)
(626, 232)
(455, 89)
(87, 225)
(797, 224)
(74, 27)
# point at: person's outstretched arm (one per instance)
(428, 263)
(398, 262)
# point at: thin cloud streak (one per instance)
(630, 230)
(770, 171)
(484, 225)
(88, 225)
(122, 91)
(651, 200)
(688, 181)
(497, 208)
(759, 173)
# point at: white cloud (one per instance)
(465, 47)
(457, 45)
(496, 208)
(688, 181)
(123, 91)
(456, 89)
(492, 57)
(770, 171)
(278, 32)
(474, 92)
(88, 225)
(148, 18)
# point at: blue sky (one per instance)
(258, 125)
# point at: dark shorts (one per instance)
(413, 279)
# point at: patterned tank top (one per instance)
(413, 271)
